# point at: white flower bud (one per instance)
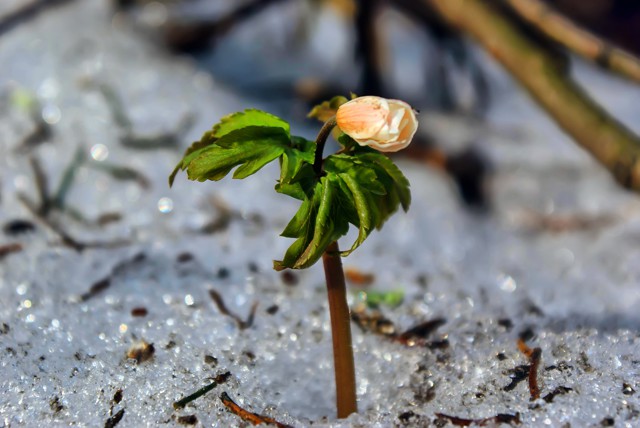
(386, 125)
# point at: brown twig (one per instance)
(501, 418)
(417, 335)
(534, 355)
(368, 48)
(114, 420)
(567, 33)
(101, 285)
(196, 36)
(539, 71)
(245, 415)
(26, 13)
(5, 250)
(222, 307)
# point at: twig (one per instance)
(416, 334)
(222, 307)
(195, 36)
(41, 186)
(114, 420)
(534, 355)
(26, 13)
(51, 225)
(252, 418)
(66, 182)
(501, 418)
(220, 379)
(5, 250)
(539, 71)
(579, 40)
(101, 285)
(368, 47)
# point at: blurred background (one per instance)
(288, 55)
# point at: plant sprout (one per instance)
(358, 185)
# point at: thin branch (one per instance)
(577, 39)
(196, 36)
(539, 71)
(26, 13)
(368, 48)
(220, 379)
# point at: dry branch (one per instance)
(577, 39)
(539, 71)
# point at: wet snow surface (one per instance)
(557, 261)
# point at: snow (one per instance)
(558, 255)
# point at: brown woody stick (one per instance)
(609, 141)
(577, 39)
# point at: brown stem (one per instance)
(580, 41)
(535, 67)
(321, 139)
(341, 332)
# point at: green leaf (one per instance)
(191, 153)
(374, 299)
(302, 186)
(365, 205)
(316, 224)
(327, 109)
(243, 119)
(249, 148)
(384, 165)
(227, 125)
(300, 152)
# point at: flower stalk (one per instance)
(343, 362)
(341, 332)
(321, 139)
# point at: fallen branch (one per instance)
(26, 13)
(547, 80)
(252, 418)
(5, 250)
(534, 355)
(579, 40)
(220, 379)
(501, 418)
(222, 307)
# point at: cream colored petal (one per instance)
(408, 130)
(363, 117)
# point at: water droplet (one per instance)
(188, 300)
(507, 283)
(123, 328)
(49, 89)
(26, 304)
(165, 205)
(99, 152)
(51, 114)
(21, 289)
